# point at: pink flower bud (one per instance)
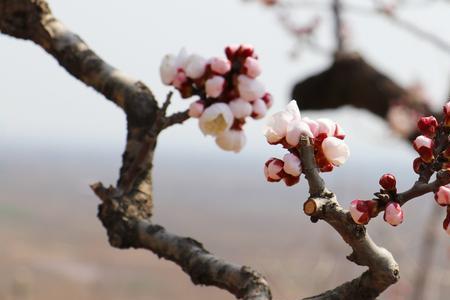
(428, 126)
(393, 213)
(326, 126)
(220, 65)
(273, 170)
(277, 125)
(446, 223)
(245, 50)
(214, 86)
(362, 210)
(251, 67)
(250, 89)
(268, 99)
(259, 109)
(335, 150)
(388, 182)
(240, 108)
(231, 140)
(292, 165)
(424, 146)
(231, 50)
(442, 196)
(196, 109)
(195, 66)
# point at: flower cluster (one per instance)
(286, 128)
(227, 88)
(434, 154)
(363, 210)
(433, 147)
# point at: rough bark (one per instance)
(126, 209)
(383, 269)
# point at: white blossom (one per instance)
(216, 119)
(231, 140)
(335, 150)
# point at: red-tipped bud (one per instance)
(442, 196)
(424, 146)
(446, 223)
(388, 182)
(362, 210)
(273, 170)
(327, 168)
(290, 180)
(417, 164)
(245, 50)
(428, 126)
(393, 214)
(268, 100)
(230, 51)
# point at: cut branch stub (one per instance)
(383, 269)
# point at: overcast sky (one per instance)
(43, 105)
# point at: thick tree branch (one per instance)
(126, 209)
(127, 229)
(383, 269)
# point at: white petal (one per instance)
(326, 126)
(195, 66)
(292, 108)
(422, 141)
(240, 108)
(313, 125)
(231, 140)
(276, 127)
(216, 119)
(292, 164)
(335, 150)
(296, 129)
(250, 89)
(168, 70)
(181, 59)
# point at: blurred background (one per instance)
(57, 137)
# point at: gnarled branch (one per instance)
(126, 209)
(383, 269)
